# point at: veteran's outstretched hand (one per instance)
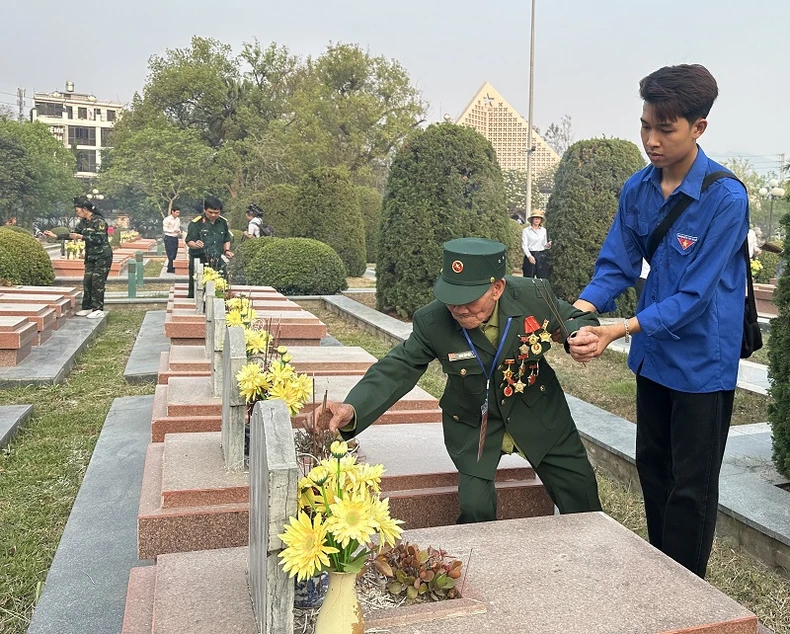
(331, 416)
(589, 342)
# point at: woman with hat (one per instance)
(534, 243)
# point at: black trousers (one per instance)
(171, 248)
(539, 269)
(680, 441)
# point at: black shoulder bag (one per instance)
(752, 337)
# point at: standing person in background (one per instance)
(208, 239)
(255, 226)
(171, 225)
(534, 243)
(92, 228)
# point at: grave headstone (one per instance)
(209, 319)
(233, 405)
(199, 291)
(274, 478)
(217, 344)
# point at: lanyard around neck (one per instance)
(498, 352)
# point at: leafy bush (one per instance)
(18, 229)
(581, 209)
(279, 209)
(329, 212)
(23, 260)
(515, 255)
(779, 367)
(769, 262)
(444, 183)
(370, 207)
(295, 266)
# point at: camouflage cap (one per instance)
(469, 267)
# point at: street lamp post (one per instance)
(94, 193)
(771, 194)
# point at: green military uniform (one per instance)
(526, 404)
(98, 260)
(214, 236)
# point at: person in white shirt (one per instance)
(534, 243)
(255, 226)
(171, 225)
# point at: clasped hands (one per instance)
(589, 342)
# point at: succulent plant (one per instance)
(419, 575)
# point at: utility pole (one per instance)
(528, 202)
(20, 101)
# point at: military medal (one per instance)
(536, 348)
(520, 387)
(523, 349)
(508, 391)
(531, 324)
(545, 336)
(533, 339)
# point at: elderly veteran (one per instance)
(490, 332)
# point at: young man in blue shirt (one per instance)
(688, 325)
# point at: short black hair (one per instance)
(84, 203)
(175, 208)
(254, 210)
(685, 90)
(211, 202)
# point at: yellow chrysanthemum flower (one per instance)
(233, 318)
(338, 448)
(257, 341)
(307, 551)
(303, 386)
(281, 349)
(318, 475)
(370, 476)
(280, 373)
(388, 529)
(285, 392)
(286, 358)
(252, 381)
(351, 518)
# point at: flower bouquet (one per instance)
(220, 283)
(340, 515)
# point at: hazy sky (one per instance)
(589, 55)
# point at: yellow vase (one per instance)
(340, 613)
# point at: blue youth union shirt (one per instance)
(691, 308)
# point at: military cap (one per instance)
(84, 203)
(469, 267)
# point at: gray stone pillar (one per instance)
(199, 291)
(214, 348)
(234, 407)
(209, 309)
(274, 481)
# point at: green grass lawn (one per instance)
(42, 468)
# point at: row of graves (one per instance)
(72, 264)
(226, 484)
(29, 315)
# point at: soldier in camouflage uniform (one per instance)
(92, 228)
(208, 239)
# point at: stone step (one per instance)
(570, 573)
(72, 292)
(44, 317)
(191, 396)
(179, 529)
(60, 303)
(314, 360)
(18, 335)
(138, 615)
(162, 424)
(185, 478)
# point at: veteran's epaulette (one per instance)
(197, 218)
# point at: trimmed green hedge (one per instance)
(779, 367)
(370, 206)
(444, 183)
(279, 208)
(329, 212)
(23, 260)
(18, 229)
(294, 266)
(581, 209)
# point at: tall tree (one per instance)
(560, 137)
(38, 175)
(164, 162)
